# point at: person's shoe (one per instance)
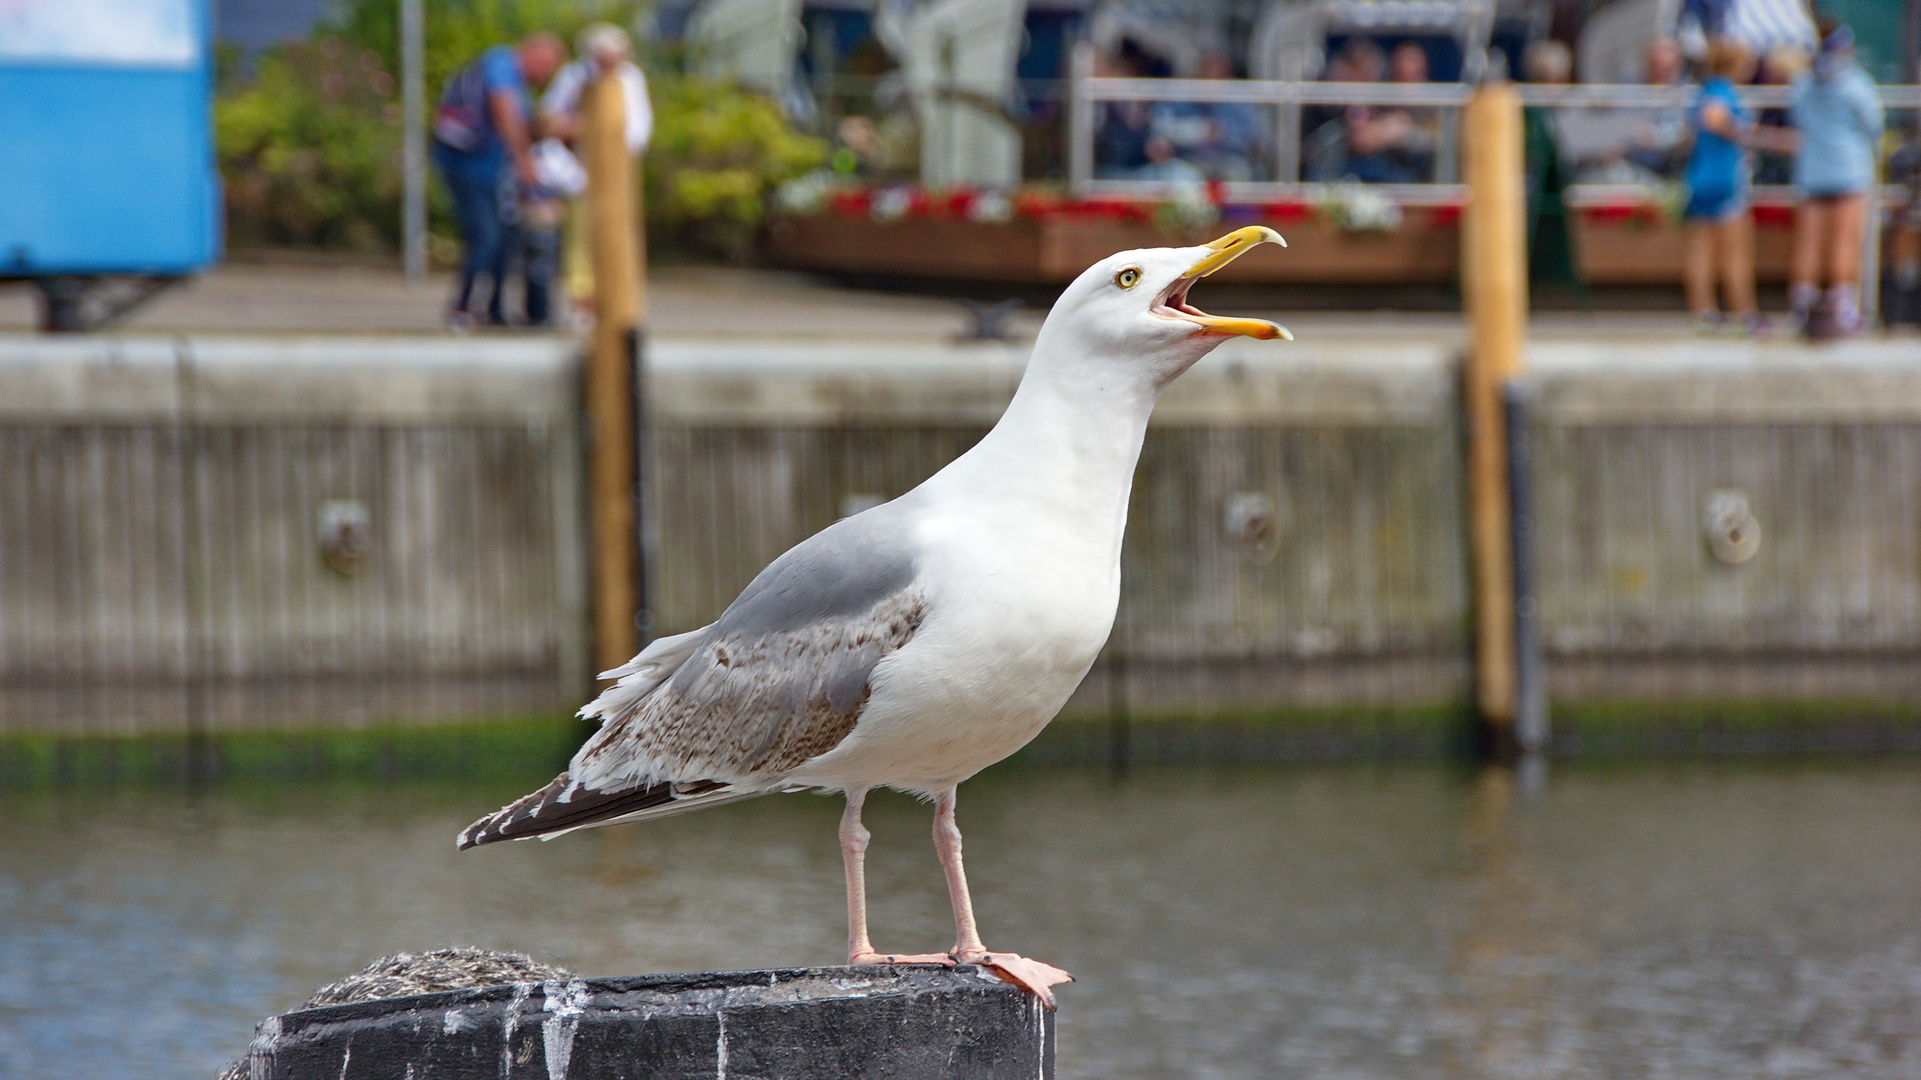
(1757, 325)
(1709, 323)
(459, 321)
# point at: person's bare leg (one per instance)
(1847, 218)
(1804, 280)
(1699, 270)
(1737, 263)
(1810, 225)
(1033, 975)
(853, 854)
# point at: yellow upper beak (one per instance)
(1233, 246)
(1224, 251)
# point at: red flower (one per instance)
(855, 203)
(1611, 213)
(1288, 211)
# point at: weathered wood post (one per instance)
(613, 383)
(870, 1023)
(1494, 286)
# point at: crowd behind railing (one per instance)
(1375, 118)
(1810, 128)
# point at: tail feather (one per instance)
(565, 805)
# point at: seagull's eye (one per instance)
(1128, 278)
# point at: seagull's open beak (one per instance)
(1173, 303)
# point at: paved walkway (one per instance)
(271, 297)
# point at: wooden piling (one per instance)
(1494, 286)
(613, 375)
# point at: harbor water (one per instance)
(1701, 919)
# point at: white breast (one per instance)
(1018, 610)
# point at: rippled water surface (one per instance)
(1650, 920)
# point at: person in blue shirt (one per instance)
(1718, 222)
(481, 147)
(1837, 114)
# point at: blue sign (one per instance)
(106, 138)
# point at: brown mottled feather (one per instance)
(745, 708)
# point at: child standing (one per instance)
(1838, 115)
(1718, 181)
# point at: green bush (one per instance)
(717, 153)
(309, 144)
(309, 150)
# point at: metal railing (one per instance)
(1287, 99)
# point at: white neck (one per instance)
(1068, 442)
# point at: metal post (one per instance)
(614, 376)
(413, 201)
(1530, 695)
(1871, 239)
(1494, 280)
(1287, 136)
(1080, 120)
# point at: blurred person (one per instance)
(482, 149)
(1640, 146)
(1384, 144)
(1122, 132)
(1718, 183)
(1165, 165)
(1223, 140)
(1408, 64)
(605, 51)
(1837, 114)
(1773, 133)
(1904, 237)
(538, 214)
(1660, 144)
(1550, 240)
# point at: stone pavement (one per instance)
(267, 297)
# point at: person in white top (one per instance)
(604, 50)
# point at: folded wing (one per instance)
(724, 713)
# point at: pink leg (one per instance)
(853, 853)
(1031, 975)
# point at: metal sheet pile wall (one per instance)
(1729, 528)
(195, 551)
(231, 533)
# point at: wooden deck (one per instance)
(1424, 250)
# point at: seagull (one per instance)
(914, 644)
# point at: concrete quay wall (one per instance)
(1295, 539)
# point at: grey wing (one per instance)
(782, 676)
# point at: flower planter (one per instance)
(1052, 250)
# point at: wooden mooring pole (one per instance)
(1494, 285)
(614, 376)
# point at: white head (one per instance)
(1133, 307)
(604, 43)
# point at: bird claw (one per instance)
(1032, 976)
(870, 958)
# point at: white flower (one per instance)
(1360, 209)
(991, 208)
(891, 204)
(805, 194)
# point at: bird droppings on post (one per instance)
(413, 974)
(867, 1023)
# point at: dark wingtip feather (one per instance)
(563, 805)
